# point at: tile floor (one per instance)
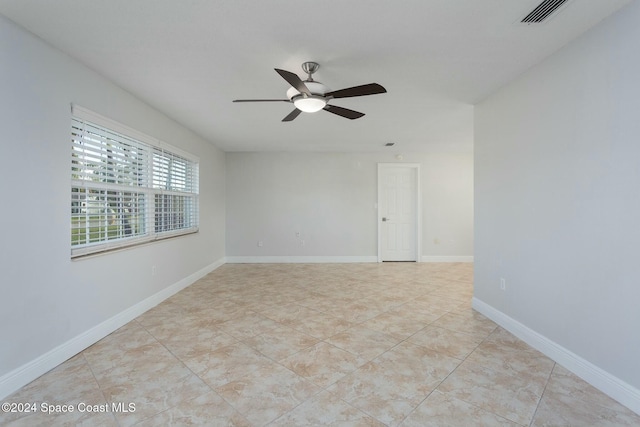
(314, 345)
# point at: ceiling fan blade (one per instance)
(261, 100)
(294, 81)
(368, 89)
(344, 112)
(292, 115)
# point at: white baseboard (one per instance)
(298, 259)
(332, 259)
(19, 377)
(609, 384)
(461, 258)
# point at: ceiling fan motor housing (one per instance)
(306, 103)
(316, 88)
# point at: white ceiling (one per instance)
(191, 58)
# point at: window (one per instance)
(126, 187)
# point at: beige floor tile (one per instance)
(76, 418)
(441, 410)
(280, 342)
(359, 310)
(527, 364)
(504, 339)
(256, 344)
(71, 383)
(421, 362)
(154, 394)
(394, 383)
(154, 380)
(381, 392)
(363, 342)
(396, 325)
(455, 344)
(466, 323)
(247, 326)
(208, 409)
(564, 381)
(570, 401)
(404, 291)
(150, 361)
(323, 364)
(227, 364)
(325, 409)
(562, 410)
(188, 343)
(384, 301)
(438, 302)
(320, 325)
(219, 312)
(325, 303)
(461, 294)
(126, 345)
(463, 307)
(505, 395)
(256, 306)
(419, 313)
(267, 394)
(289, 314)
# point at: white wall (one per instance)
(45, 298)
(557, 200)
(329, 198)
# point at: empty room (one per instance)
(297, 213)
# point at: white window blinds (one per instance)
(126, 187)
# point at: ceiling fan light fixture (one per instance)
(309, 104)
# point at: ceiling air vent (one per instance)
(543, 11)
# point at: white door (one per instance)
(398, 212)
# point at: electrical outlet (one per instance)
(260, 244)
(297, 234)
(153, 270)
(503, 284)
(301, 242)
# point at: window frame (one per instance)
(183, 192)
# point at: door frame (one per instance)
(417, 195)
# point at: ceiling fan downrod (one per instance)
(310, 67)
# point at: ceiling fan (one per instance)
(310, 96)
